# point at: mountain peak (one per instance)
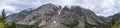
(50, 4)
(55, 15)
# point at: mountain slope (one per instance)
(54, 16)
(18, 16)
(113, 21)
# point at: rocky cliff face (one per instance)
(54, 16)
(18, 16)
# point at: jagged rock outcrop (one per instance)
(18, 16)
(54, 16)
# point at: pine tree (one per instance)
(70, 21)
(13, 24)
(0, 18)
(3, 16)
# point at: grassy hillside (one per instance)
(1, 25)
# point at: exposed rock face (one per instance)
(18, 16)
(52, 16)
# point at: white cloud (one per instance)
(63, 2)
(7, 8)
(100, 7)
(4, 4)
(107, 3)
(108, 12)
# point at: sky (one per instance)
(100, 7)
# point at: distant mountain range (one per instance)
(55, 16)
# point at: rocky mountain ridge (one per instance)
(54, 16)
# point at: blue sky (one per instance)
(100, 7)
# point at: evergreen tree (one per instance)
(13, 24)
(0, 19)
(70, 21)
(3, 16)
(7, 25)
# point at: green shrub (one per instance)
(70, 21)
